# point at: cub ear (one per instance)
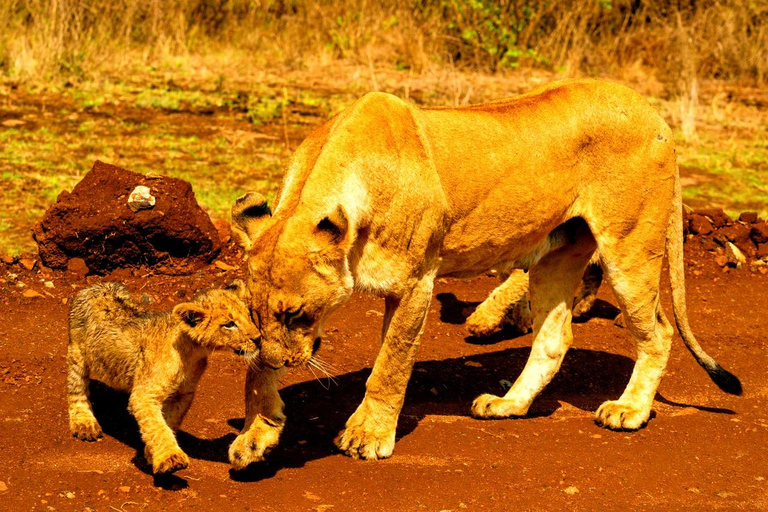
(247, 212)
(238, 287)
(190, 314)
(335, 225)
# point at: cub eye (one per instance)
(229, 325)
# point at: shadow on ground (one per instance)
(447, 387)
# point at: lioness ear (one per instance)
(335, 225)
(238, 287)
(247, 212)
(190, 314)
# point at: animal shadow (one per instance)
(111, 410)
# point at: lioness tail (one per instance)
(724, 379)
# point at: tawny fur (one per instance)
(386, 196)
(157, 357)
(510, 302)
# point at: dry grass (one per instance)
(209, 90)
(82, 39)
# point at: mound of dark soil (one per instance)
(95, 223)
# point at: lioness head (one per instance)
(220, 319)
(297, 274)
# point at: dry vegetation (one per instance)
(211, 90)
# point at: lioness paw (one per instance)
(253, 445)
(174, 461)
(491, 406)
(368, 435)
(616, 415)
(86, 429)
(359, 443)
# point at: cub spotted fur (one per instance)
(158, 357)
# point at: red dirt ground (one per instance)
(702, 450)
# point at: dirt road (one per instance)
(702, 449)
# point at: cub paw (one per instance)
(365, 437)
(86, 429)
(482, 324)
(170, 463)
(616, 415)
(253, 445)
(489, 407)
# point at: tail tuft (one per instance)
(725, 380)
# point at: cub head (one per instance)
(220, 319)
(297, 273)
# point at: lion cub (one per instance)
(158, 357)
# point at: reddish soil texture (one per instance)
(748, 233)
(95, 223)
(701, 450)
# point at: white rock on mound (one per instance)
(141, 199)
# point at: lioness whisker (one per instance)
(325, 386)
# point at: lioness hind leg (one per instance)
(637, 291)
(553, 282)
(500, 305)
(82, 422)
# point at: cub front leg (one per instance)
(264, 417)
(370, 431)
(160, 447)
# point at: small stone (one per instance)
(64, 301)
(718, 217)
(7, 259)
(721, 260)
(3, 487)
(433, 391)
(141, 199)
(735, 233)
(125, 488)
(571, 490)
(762, 252)
(748, 217)
(734, 256)
(31, 294)
(505, 384)
(28, 263)
(12, 123)
(473, 364)
(48, 284)
(759, 233)
(78, 267)
(700, 225)
(70, 495)
(223, 266)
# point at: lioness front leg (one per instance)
(264, 418)
(370, 431)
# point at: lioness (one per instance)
(386, 196)
(158, 357)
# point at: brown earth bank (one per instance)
(701, 450)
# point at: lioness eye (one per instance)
(229, 325)
(294, 317)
